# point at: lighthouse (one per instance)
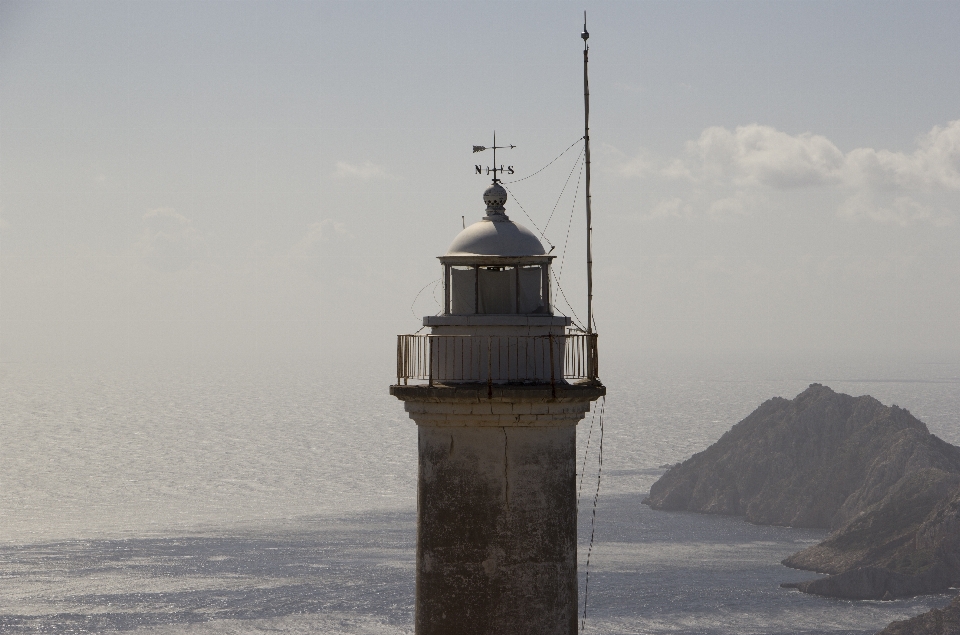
(496, 389)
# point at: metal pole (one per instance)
(490, 366)
(553, 381)
(586, 141)
(430, 362)
(516, 296)
(446, 289)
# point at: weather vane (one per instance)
(494, 169)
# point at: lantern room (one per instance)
(496, 266)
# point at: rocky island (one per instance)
(888, 490)
(944, 621)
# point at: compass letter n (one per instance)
(479, 169)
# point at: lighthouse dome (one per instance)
(496, 234)
(496, 238)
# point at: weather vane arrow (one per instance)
(494, 170)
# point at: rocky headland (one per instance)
(945, 621)
(888, 490)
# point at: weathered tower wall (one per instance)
(496, 531)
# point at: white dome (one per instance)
(496, 238)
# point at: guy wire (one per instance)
(573, 207)
(547, 165)
(515, 200)
(564, 295)
(583, 469)
(593, 521)
(562, 191)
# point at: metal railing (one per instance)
(537, 359)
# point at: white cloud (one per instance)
(364, 171)
(740, 203)
(675, 206)
(623, 165)
(168, 237)
(732, 170)
(637, 166)
(934, 164)
(677, 169)
(317, 233)
(902, 210)
(761, 155)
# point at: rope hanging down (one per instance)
(593, 521)
(547, 165)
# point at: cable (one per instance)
(583, 469)
(547, 165)
(436, 300)
(593, 521)
(562, 191)
(514, 196)
(569, 306)
(433, 282)
(570, 223)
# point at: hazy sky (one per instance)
(203, 181)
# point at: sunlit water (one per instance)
(209, 500)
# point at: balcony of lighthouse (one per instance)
(497, 359)
(497, 327)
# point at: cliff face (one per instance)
(888, 489)
(815, 461)
(908, 543)
(911, 528)
(945, 621)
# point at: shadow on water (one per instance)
(359, 566)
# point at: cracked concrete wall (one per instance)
(497, 533)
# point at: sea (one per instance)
(249, 498)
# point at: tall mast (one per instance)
(586, 141)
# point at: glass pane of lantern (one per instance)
(531, 296)
(463, 290)
(498, 290)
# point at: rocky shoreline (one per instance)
(888, 490)
(945, 621)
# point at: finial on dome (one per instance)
(495, 196)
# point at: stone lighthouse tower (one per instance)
(496, 389)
